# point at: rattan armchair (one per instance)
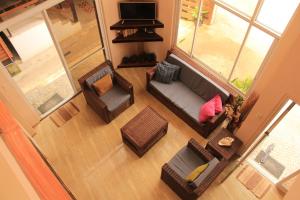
(179, 185)
(114, 102)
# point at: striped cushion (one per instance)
(164, 74)
(98, 75)
(176, 69)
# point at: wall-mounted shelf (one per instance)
(137, 64)
(145, 32)
(139, 36)
(137, 24)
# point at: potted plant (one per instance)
(202, 17)
(233, 112)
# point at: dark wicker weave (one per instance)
(95, 102)
(180, 186)
(144, 130)
(203, 129)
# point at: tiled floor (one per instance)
(285, 136)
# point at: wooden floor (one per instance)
(92, 160)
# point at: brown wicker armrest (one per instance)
(211, 177)
(201, 152)
(150, 73)
(123, 83)
(93, 98)
(178, 180)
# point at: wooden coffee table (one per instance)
(223, 152)
(144, 130)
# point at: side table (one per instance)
(223, 152)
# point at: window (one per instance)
(232, 37)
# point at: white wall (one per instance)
(13, 183)
(30, 37)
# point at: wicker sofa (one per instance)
(185, 96)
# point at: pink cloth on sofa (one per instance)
(207, 111)
(218, 104)
(41, 177)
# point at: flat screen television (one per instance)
(137, 10)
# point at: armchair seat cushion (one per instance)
(185, 161)
(115, 97)
(211, 166)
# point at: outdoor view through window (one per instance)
(232, 37)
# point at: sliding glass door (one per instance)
(75, 26)
(32, 60)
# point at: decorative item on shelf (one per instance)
(226, 142)
(141, 60)
(129, 32)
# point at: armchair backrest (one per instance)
(98, 72)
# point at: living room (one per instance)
(89, 155)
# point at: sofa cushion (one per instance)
(181, 96)
(115, 97)
(185, 161)
(164, 74)
(197, 81)
(176, 69)
(98, 75)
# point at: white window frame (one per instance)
(252, 22)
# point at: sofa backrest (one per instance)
(196, 81)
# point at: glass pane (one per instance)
(277, 14)
(245, 6)
(253, 53)
(75, 26)
(33, 62)
(11, 8)
(84, 67)
(188, 19)
(218, 41)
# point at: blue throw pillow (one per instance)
(176, 69)
(164, 74)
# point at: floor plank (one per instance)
(94, 163)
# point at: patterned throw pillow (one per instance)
(164, 74)
(176, 69)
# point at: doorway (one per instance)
(50, 48)
(35, 65)
(76, 27)
(277, 155)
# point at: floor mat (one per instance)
(50, 103)
(64, 114)
(253, 181)
(270, 164)
(13, 69)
